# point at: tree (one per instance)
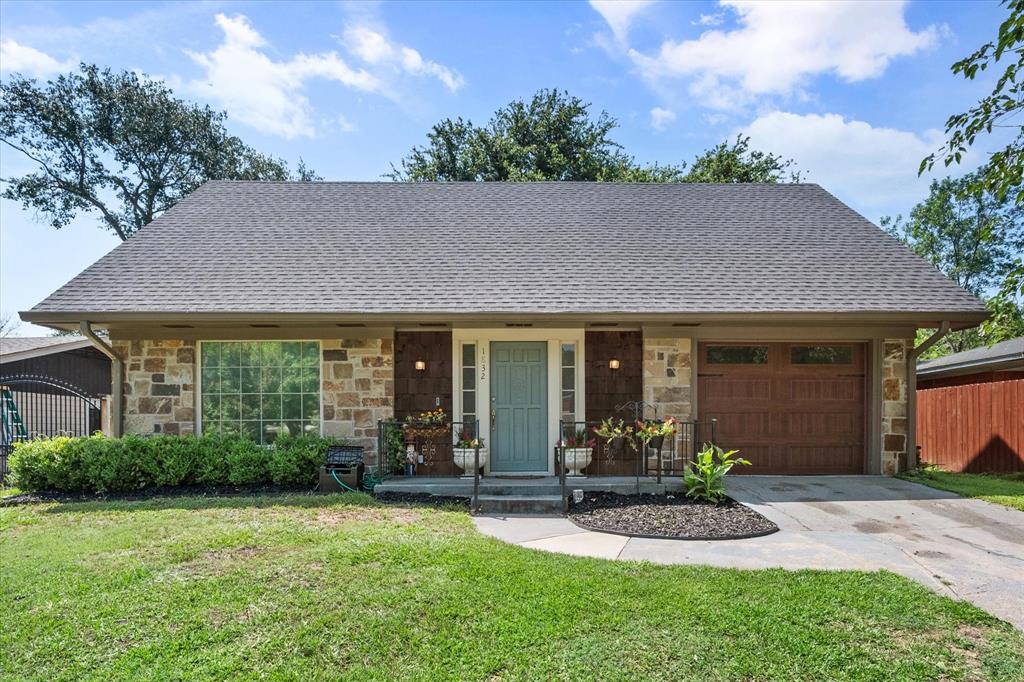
(972, 237)
(555, 137)
(8, 324)
(1004, 171)
(737, 162)
(1003, 175)
(120, 146)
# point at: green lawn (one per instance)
(1007, 489)
(335, 587)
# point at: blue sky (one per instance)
(857, 93)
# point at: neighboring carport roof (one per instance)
(337, 248)
(14, 348)
(1005, 355)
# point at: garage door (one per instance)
(790, 408)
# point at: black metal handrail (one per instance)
(668, 456)
(433, 450)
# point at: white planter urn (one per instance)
(464, 458)
(577, 459)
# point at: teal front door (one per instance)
(519, 406)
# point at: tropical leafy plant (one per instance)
(705, 477)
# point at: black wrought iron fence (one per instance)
(429, 449)
(46, 407)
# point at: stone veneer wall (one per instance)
(667, 376)
(159, 386)
(894, 404)
(358, 388)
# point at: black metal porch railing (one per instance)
(580, 451)
(414, 448)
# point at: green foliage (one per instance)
(1004, 489)
(1007, 307)
(339, 587)
(1004, 172)
(737, 162)
(705, 477)
(111, 465)
(119, 145)
(394, 445)
(972, 237)
(295, 460)
(555, 137)
(248, 463)
(612, 428)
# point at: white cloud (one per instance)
(266, 94)
(715, 19)
(662, 118)
(619, 14)
(874, 169)
(374, 47)
(778, 46)
(28, 61)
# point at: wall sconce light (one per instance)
(613, 364)
(421, 365)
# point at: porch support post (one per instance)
(912, 357)
(116, 378)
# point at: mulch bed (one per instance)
(422, 499)
(668, 516)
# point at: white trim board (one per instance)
(483, 337)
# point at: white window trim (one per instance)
(554, 339)
(198, 407)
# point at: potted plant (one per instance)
(464, 453)
(429, 425)
(617, 434)
(652, 433)
(579, 452)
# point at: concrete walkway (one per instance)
(966, 549)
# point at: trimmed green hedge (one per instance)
(112, 465)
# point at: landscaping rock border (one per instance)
(668, 516)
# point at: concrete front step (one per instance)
(520, 504)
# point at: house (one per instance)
(59, 385)
(527, 308)
(970, 409)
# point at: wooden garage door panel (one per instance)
(787, 417)
(723, 388)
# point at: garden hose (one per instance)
(341, 483)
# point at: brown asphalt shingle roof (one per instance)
(341, 247)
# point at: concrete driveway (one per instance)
(966, 549)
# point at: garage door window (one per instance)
(737, 355)
(821, 355)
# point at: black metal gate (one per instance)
(48, 407)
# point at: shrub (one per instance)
(705, 477)
(296, 460)
(248, 463)
(211, 459)
(114, 465)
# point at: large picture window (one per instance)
(260, 389)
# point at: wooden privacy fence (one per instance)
(975, 428)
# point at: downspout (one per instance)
(912, 357)
(116, 377)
